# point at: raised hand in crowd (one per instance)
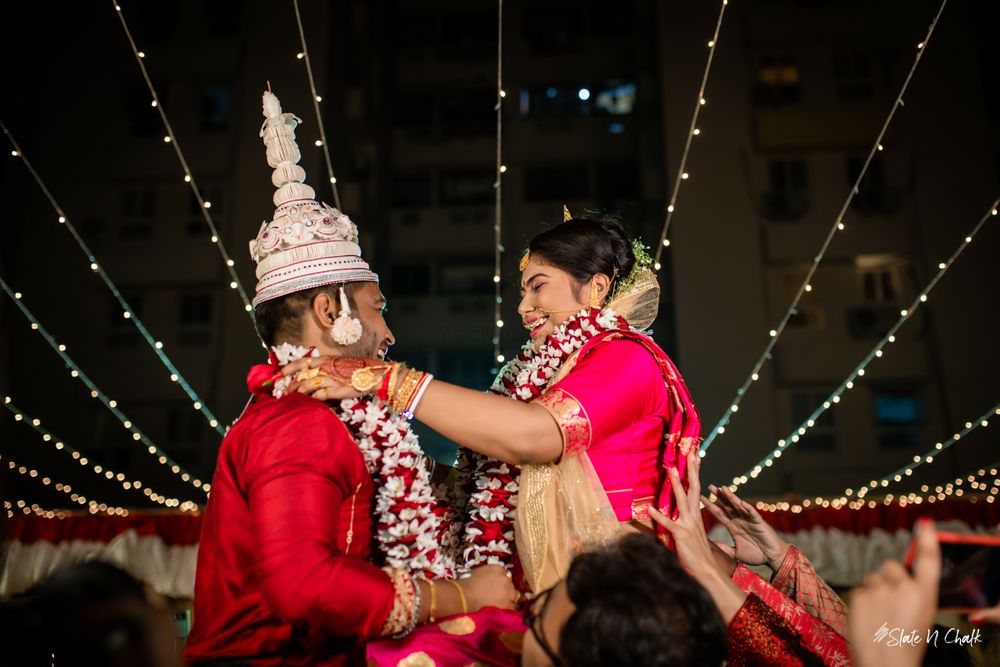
(694, 550)
(892, 598)
(755, 542)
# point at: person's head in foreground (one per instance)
(629, 603)
(86, 614)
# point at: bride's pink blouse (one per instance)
(625, 404)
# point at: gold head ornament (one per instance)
(567, 216)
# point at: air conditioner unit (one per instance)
(870, 321)
(876, 201)
(783, 205)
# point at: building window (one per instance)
(881, 278)
(196, 313)
(788, 195)
(467, 278)
(216, 107)
(555, 100)
(874, 196)
(122, 333)
(615, 98)
(809, 314)
(880, 285)
(411, 279)
(777, 80)
(898, 416)
(412, 190)
(562, 183)
(822, 436)
(469, 187)
(137, 208)
(852, 72)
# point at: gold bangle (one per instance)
(407, 387)
(394, 372)
(433, 616)
(461, 594)
(395, 384)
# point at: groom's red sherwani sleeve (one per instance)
(283, 566)
(308, 561)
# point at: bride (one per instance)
(578, 431)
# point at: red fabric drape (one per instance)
(173, 529)
(184, 529)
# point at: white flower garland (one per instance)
(414, 531)
(491, 485)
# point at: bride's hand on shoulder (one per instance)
(326, 378)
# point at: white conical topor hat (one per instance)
(307, 244)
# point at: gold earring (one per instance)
(595, 295)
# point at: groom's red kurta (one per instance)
(282, 575)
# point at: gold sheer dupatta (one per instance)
(562, 510)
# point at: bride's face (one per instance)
(549, 296)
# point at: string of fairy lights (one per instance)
(498, 188)
(33, 508)
(92, 505)
(981, 484)
(976, 483)
(95, 392)
(854, 497)
(837, 226)
(982, 421)
(693, 131)
(128, 312)
(875, 353)
(127, 483)
(316, 99)
(25, 471)
(171, 139)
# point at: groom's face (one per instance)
(376, 337)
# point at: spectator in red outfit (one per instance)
(765, 626)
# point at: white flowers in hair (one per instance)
(346, 330)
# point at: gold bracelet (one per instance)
(433, 616)
(407, 387)
(461, 594)
(394, 372)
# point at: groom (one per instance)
(286, 572)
